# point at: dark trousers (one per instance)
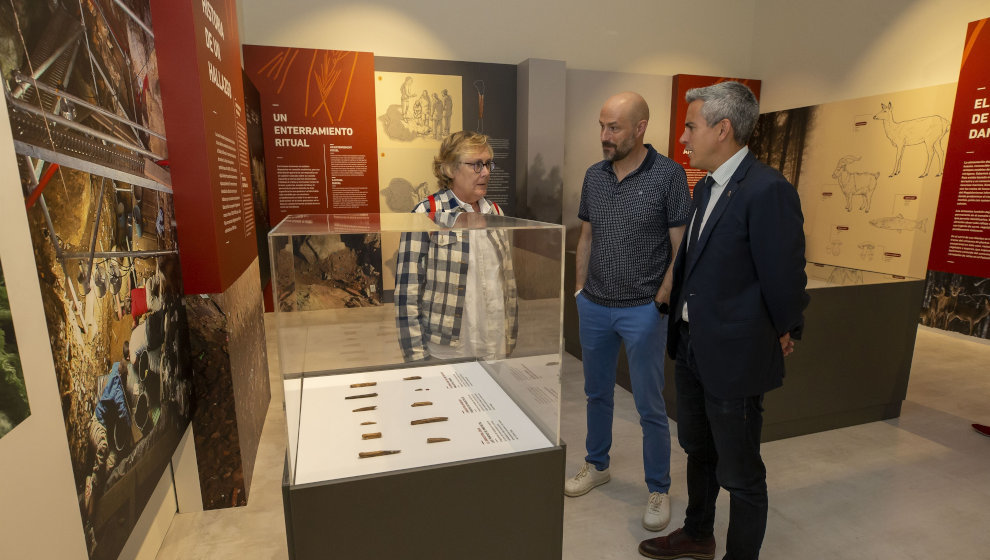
(722, 440)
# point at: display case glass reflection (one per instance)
(409, 340)
(830, 276)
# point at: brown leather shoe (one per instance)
(982, 430)
(678, 545)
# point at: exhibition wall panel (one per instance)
(86, 160)
(961, 242)
(317, 111)
(214, 169)
(89, 143)
(420, 102)
(197, 50)
(232, 389)
(955, 298)
(40, 514)
(540, 125)
(868, 195)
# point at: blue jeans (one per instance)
(722, 440)
(644, 332)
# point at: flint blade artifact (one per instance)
(368, 423)
(368, 384)
(413, 378)
(374, 435)
(364, 396)
(367, 454)
(364, 408)
(436, 439)
(422, 403)
(429, 420)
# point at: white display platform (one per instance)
(482, 421)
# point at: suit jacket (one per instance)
(744, 283)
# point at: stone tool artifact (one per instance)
(364, 396)
(364, 408)
(429, 420)
(367, 454)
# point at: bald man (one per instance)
(634, 208)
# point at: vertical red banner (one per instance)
(203, 100)
(678, 110)
(318, 112)
(961, 238)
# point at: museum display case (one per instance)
(853, 361)
(420, 357)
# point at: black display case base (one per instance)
(852, 365)
(508, 506)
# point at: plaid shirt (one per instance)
(431, 278)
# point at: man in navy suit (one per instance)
(738, 305)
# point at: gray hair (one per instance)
(728, 100)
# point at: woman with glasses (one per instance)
(455, 292)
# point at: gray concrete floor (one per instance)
(913, 487)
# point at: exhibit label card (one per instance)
(203, 99)
(318, 113)
(374, 422)
(961, 240)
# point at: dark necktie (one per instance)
(702, 194)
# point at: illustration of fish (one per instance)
(899, 223)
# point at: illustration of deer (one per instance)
(855, 183)
(946, 306)
(923, 130)
(972, 315)
(930, 313)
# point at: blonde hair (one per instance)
(451, 150)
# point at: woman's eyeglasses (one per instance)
(479, 165)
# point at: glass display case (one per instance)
(412, 344)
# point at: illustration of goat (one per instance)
(923, 130)
(855, 184)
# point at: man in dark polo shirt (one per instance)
(634, 208)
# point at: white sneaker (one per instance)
(587, 478)
(657, 514)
